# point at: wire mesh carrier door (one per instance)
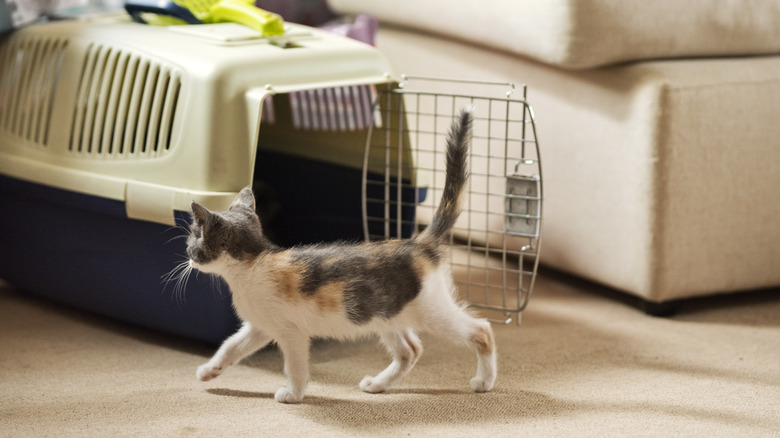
(495, 243)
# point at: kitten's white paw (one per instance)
(479, 384)
(370, 384)
(284, 395)
(207, 372)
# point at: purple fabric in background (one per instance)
(362, 28)
(309, 12)
(317, 14)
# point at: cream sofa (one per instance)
(659, 124)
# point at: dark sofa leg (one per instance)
(663, 309)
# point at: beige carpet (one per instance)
(581, 364)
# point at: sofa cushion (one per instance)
(581, 34)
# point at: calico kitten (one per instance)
(393, 288)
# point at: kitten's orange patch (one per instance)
(482, 339)
(287, 277)
(422, 266)
(329, 297)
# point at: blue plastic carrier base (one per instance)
(83, 251)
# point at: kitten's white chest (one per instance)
(252, 292)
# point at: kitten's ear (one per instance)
(244, 199)
(200, 214)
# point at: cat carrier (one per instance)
(109, 129)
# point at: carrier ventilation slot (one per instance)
(125, 105)
(29, 72)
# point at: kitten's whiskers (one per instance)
(180, 274)
(182, 227)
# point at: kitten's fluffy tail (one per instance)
(457, 174)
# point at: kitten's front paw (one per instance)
(482, 385)
(371, 385)
(207, 372)
(284, 395)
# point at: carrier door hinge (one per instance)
(149, 202)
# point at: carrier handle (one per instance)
(137, 7)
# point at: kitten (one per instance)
(393, 288)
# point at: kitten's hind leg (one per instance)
(244, 342)
(406, 348)
(455, 323)
(482, 340)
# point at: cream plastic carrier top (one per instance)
(156, 116)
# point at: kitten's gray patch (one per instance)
(379, 279)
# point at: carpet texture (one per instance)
(582, 363)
